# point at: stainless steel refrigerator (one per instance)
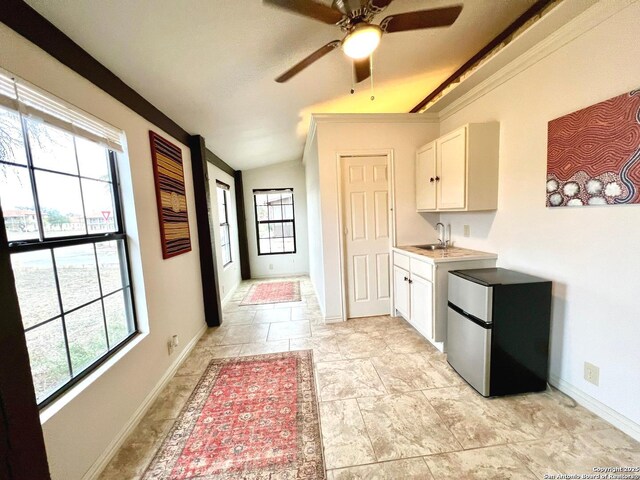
(498, 330)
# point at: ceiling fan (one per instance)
(354, 17)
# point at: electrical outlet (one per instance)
(172, 344)
(467, 230)
(591, 373)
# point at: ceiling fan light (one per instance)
(362, 41)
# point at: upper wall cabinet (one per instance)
(459, 171)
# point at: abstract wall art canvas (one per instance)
(593, 155)
(171, 196)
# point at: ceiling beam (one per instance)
(502, 36)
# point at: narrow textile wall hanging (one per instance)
(593, 155)
(171, 196)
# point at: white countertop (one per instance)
(451, 254)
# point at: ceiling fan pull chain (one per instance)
(371, 72)
(353, 81)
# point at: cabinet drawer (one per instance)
(422, 269)
(401, 261)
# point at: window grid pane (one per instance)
(225, 236)
(75, 297)
(275, 222)
(18, 205)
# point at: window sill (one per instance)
(54, 407)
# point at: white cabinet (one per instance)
(422, 306)
(426, 169)
(401, 291)
(459, 171)
(420, 291)
(451, 160)
(413, 293)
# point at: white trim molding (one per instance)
(616, 419)
(584, 22)
(374, 118)
(389, 154)
(334, 320)
(108, 454)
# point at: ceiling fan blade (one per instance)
(376, 6)
(317, 55)
(308, 8)
(437, 17)
(362, 69)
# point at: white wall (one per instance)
(590, 253)
(228, 277)
(280, 175)
(314, 211)
(168, 292)
(338, 136)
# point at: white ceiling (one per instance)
(210, 64)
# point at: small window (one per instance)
(63, 221)
(223, 214)
(275, 221)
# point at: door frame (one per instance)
(392, 217)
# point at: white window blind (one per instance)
(258, 191)
(19, 95)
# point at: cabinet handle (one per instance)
(410, 281)
(437, 179)
(432, 179)
(406, 279)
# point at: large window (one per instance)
(275, 221)
(63, 221)
(223, 214)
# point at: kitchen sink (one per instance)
(431, 246)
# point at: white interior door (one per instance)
(367, 235)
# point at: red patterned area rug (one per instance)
(273, 292)
(253, 418)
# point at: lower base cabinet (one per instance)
(401, 291)
(413, 299)
(422, 301)
(422, 306)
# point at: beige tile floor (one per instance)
(390, 405)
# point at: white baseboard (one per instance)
(229, 295)
(616, 419)
(126, 430)
(333, 319)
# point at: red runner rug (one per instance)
(273, 292)
(253, 418)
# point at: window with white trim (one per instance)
(60, 201)
(275, 221)
(223, 215)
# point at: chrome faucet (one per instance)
(441, 239)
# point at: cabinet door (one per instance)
(426, 177)
(422, 305)
(401, 291)
(451, 153)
